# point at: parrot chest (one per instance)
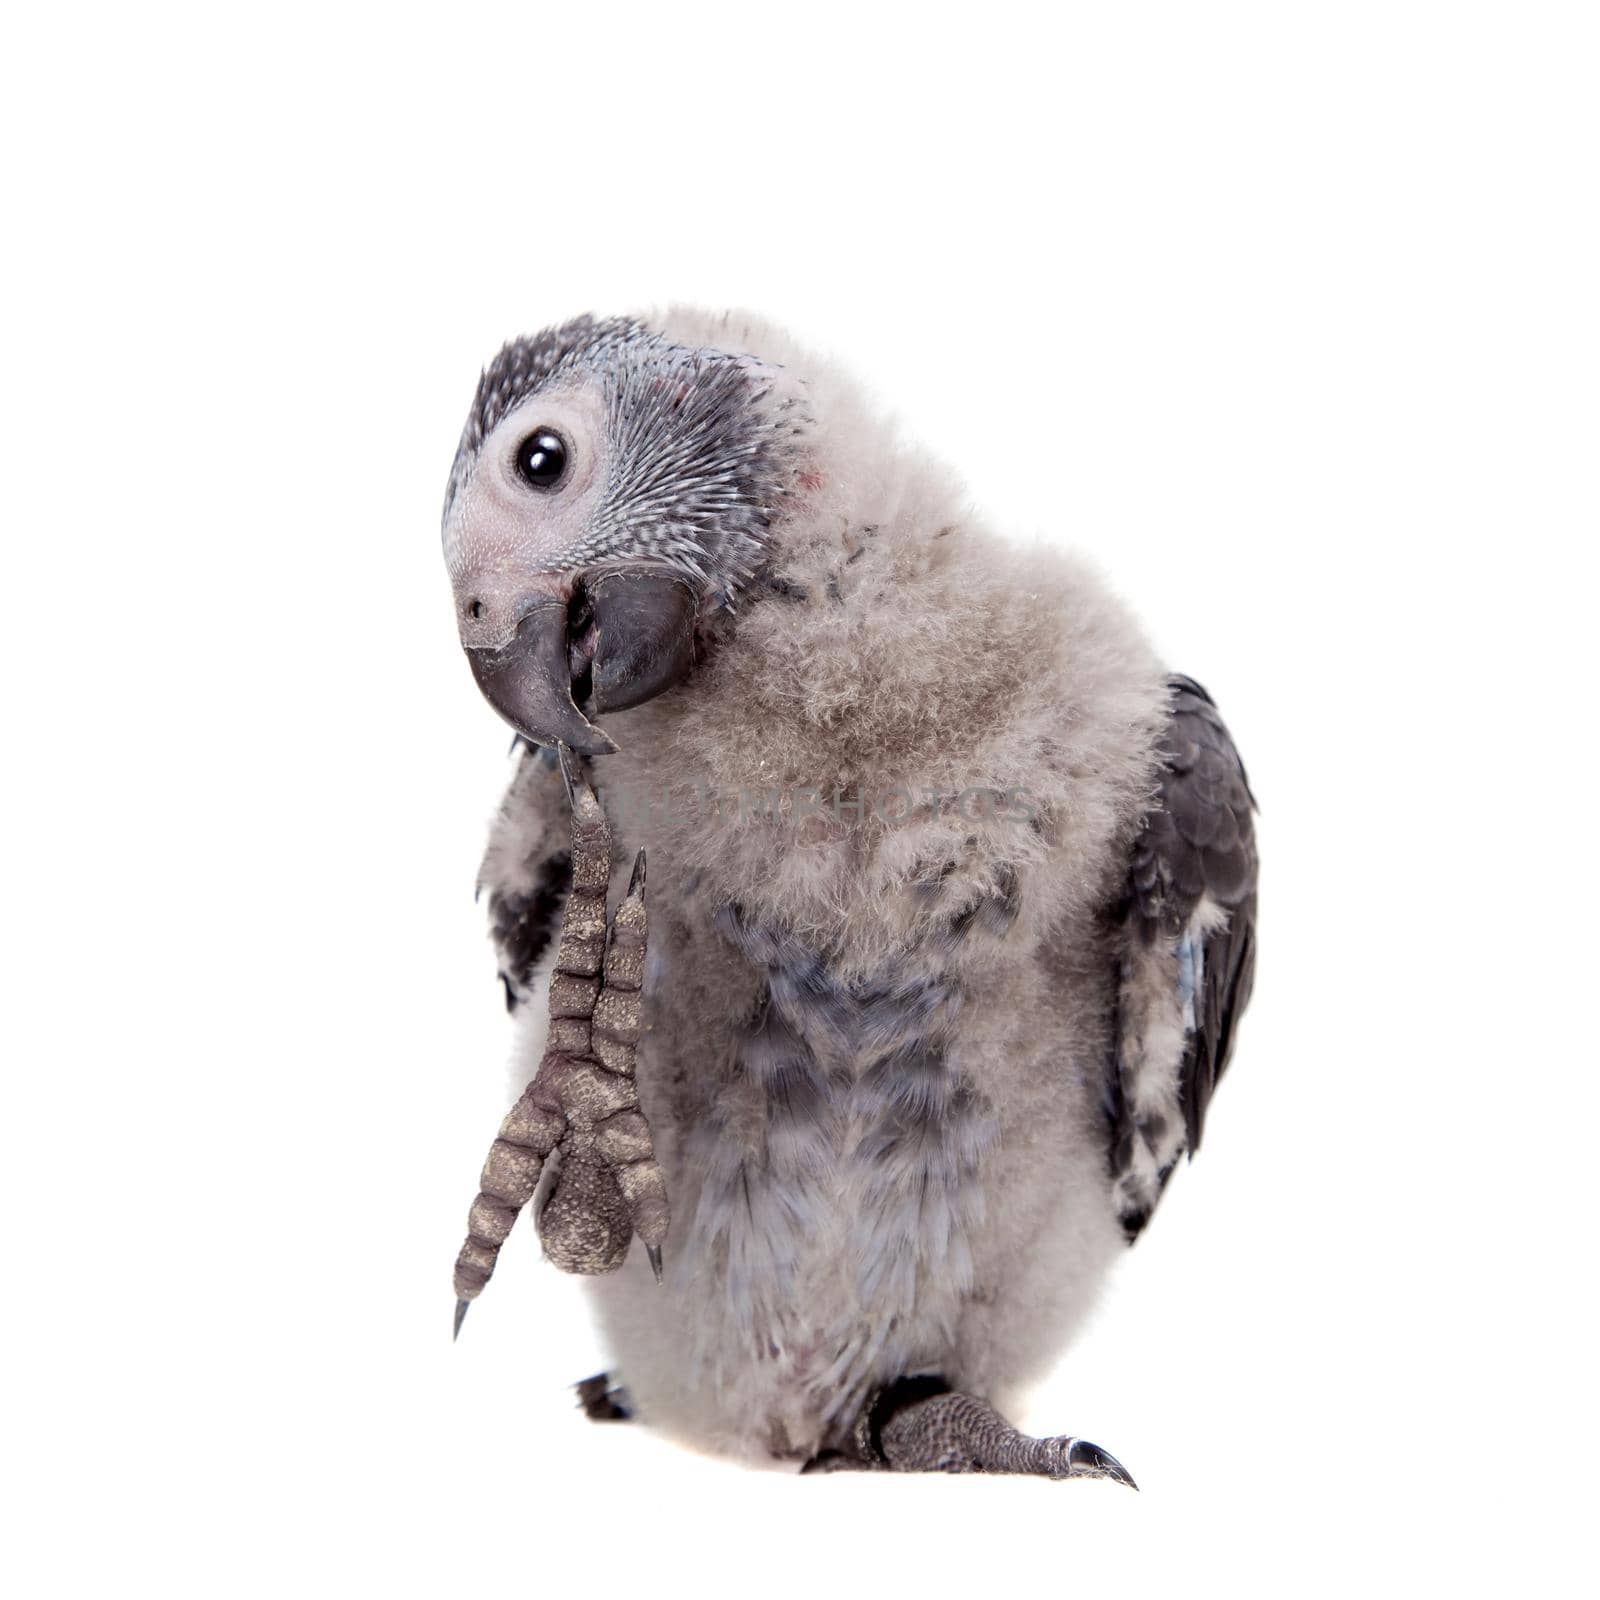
(836, 1177)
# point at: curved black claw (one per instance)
(833, 1461)
(569, 771)
(1084, 1459)
(461, 1316)
(653, 1251)
(604, 1401)
(637, 880)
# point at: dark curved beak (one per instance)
(526, 680)
(638, 642)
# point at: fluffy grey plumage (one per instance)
(951, 890)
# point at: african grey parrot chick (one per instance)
(952, 901)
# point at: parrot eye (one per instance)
(541, 459)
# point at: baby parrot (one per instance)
(935, 901)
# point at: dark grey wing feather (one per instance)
(522, 921)
(1186, 940)
(527, 871)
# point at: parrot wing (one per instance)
(527, 870)
(1187, 949)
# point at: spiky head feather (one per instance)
(701, 445)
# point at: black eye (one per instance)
(541, 459)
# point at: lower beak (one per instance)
(639, 643)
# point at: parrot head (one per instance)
(611, 492)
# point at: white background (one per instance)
(1284, 314)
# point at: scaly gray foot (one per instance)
(583, 1103)
(920, 1425)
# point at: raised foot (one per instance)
(583, 1103)
(921, 1425)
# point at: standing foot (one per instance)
(922, 1425)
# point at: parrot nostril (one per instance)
(474, 609)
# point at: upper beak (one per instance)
(526, 680)
(639, 641)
